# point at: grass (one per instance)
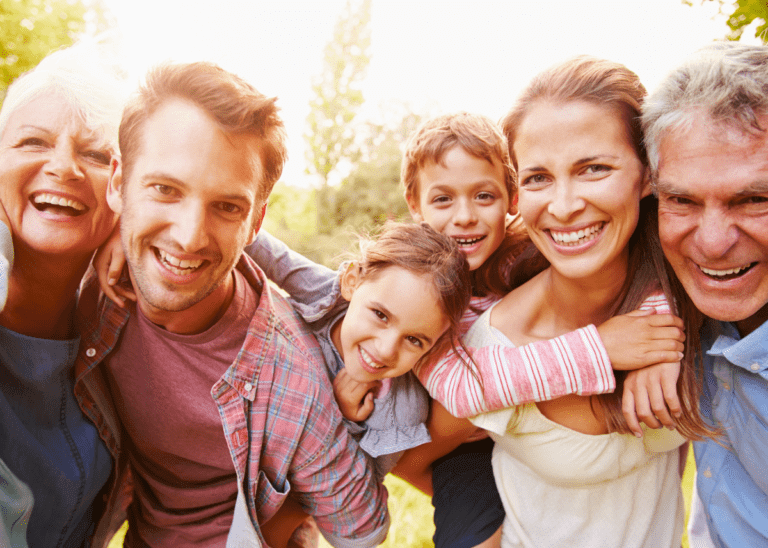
(411, 514)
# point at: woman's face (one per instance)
(580, 186)
(53, 179)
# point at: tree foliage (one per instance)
(745, 12)
(31, 29)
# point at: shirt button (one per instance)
(726, 386)
(91, 352)
(248, 387)
(755, 367)
(707, 473)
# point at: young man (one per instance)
(209, 391)
(707, 134)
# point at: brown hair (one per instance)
(613, 85)
(423, 251)
(236, 105)
(480, 137)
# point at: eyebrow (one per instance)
(389, 314)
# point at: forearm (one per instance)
(505, 376)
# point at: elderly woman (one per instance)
(58, 143)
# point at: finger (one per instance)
(641, 312)
(628, 408)
(127, 293)
(671, 397)
(110, 292)
(367, 408)
(659, 405)
(664, 356)
(666, 320)
(668, 333)
(643, 407)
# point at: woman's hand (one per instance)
(642, 338)
(650, 394)
(109, 263)
(355, 399)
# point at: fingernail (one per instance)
(638, 434)
(680, 355)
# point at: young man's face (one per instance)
(186, 213)
(713, 218)
(464, 197)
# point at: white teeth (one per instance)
(727, 272)
(578, 236)
(369, 361)
(58, 201)
(179, 266)
(468, 241)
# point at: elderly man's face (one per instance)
(713, 218)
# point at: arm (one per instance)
(575, 363)
(308, 283)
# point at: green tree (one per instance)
(337, 98)
(745, 12)
(31, 29)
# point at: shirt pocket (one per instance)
(270, 497)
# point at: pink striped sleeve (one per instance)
(574, 363)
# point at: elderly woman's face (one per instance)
(53, 179)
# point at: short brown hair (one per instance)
(476, 134)
(236, 105)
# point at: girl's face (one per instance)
(580, 186)
(393, 319)
(466, 199)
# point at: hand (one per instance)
(642, 338)
(650, 394)
(109, 262)
(355, 399)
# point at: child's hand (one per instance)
(650, 394)
(109, 262)
(355, 399)
(642, 338)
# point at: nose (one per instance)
(63, 164)
(465, 214)
(716, 234)
(565, 200)
(388, 346)
(189, 228)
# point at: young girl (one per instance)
(568, 472)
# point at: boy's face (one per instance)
(465, 198)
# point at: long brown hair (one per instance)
(615, 86)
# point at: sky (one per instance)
(433, 56)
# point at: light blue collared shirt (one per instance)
(732, 478)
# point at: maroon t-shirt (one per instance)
(161, 382)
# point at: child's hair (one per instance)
(613, 85)
(480, 137)
(423, 251)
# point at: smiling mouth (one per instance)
(58, 204)
(180, 267)
(369, 361)
(468, 242)
(728, 273)
(576, 237)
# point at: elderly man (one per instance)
(209, 391)
(707, 134)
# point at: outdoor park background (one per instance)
(355, 77)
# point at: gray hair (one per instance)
(82, 74)
(726, 81)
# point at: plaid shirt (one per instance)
(283, 428)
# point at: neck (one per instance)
(197, 318)
(42, 295)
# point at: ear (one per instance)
(114, 187)
(349, 280)
(414, 208)
(257, 223)
(513, 204)
(647, 183)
